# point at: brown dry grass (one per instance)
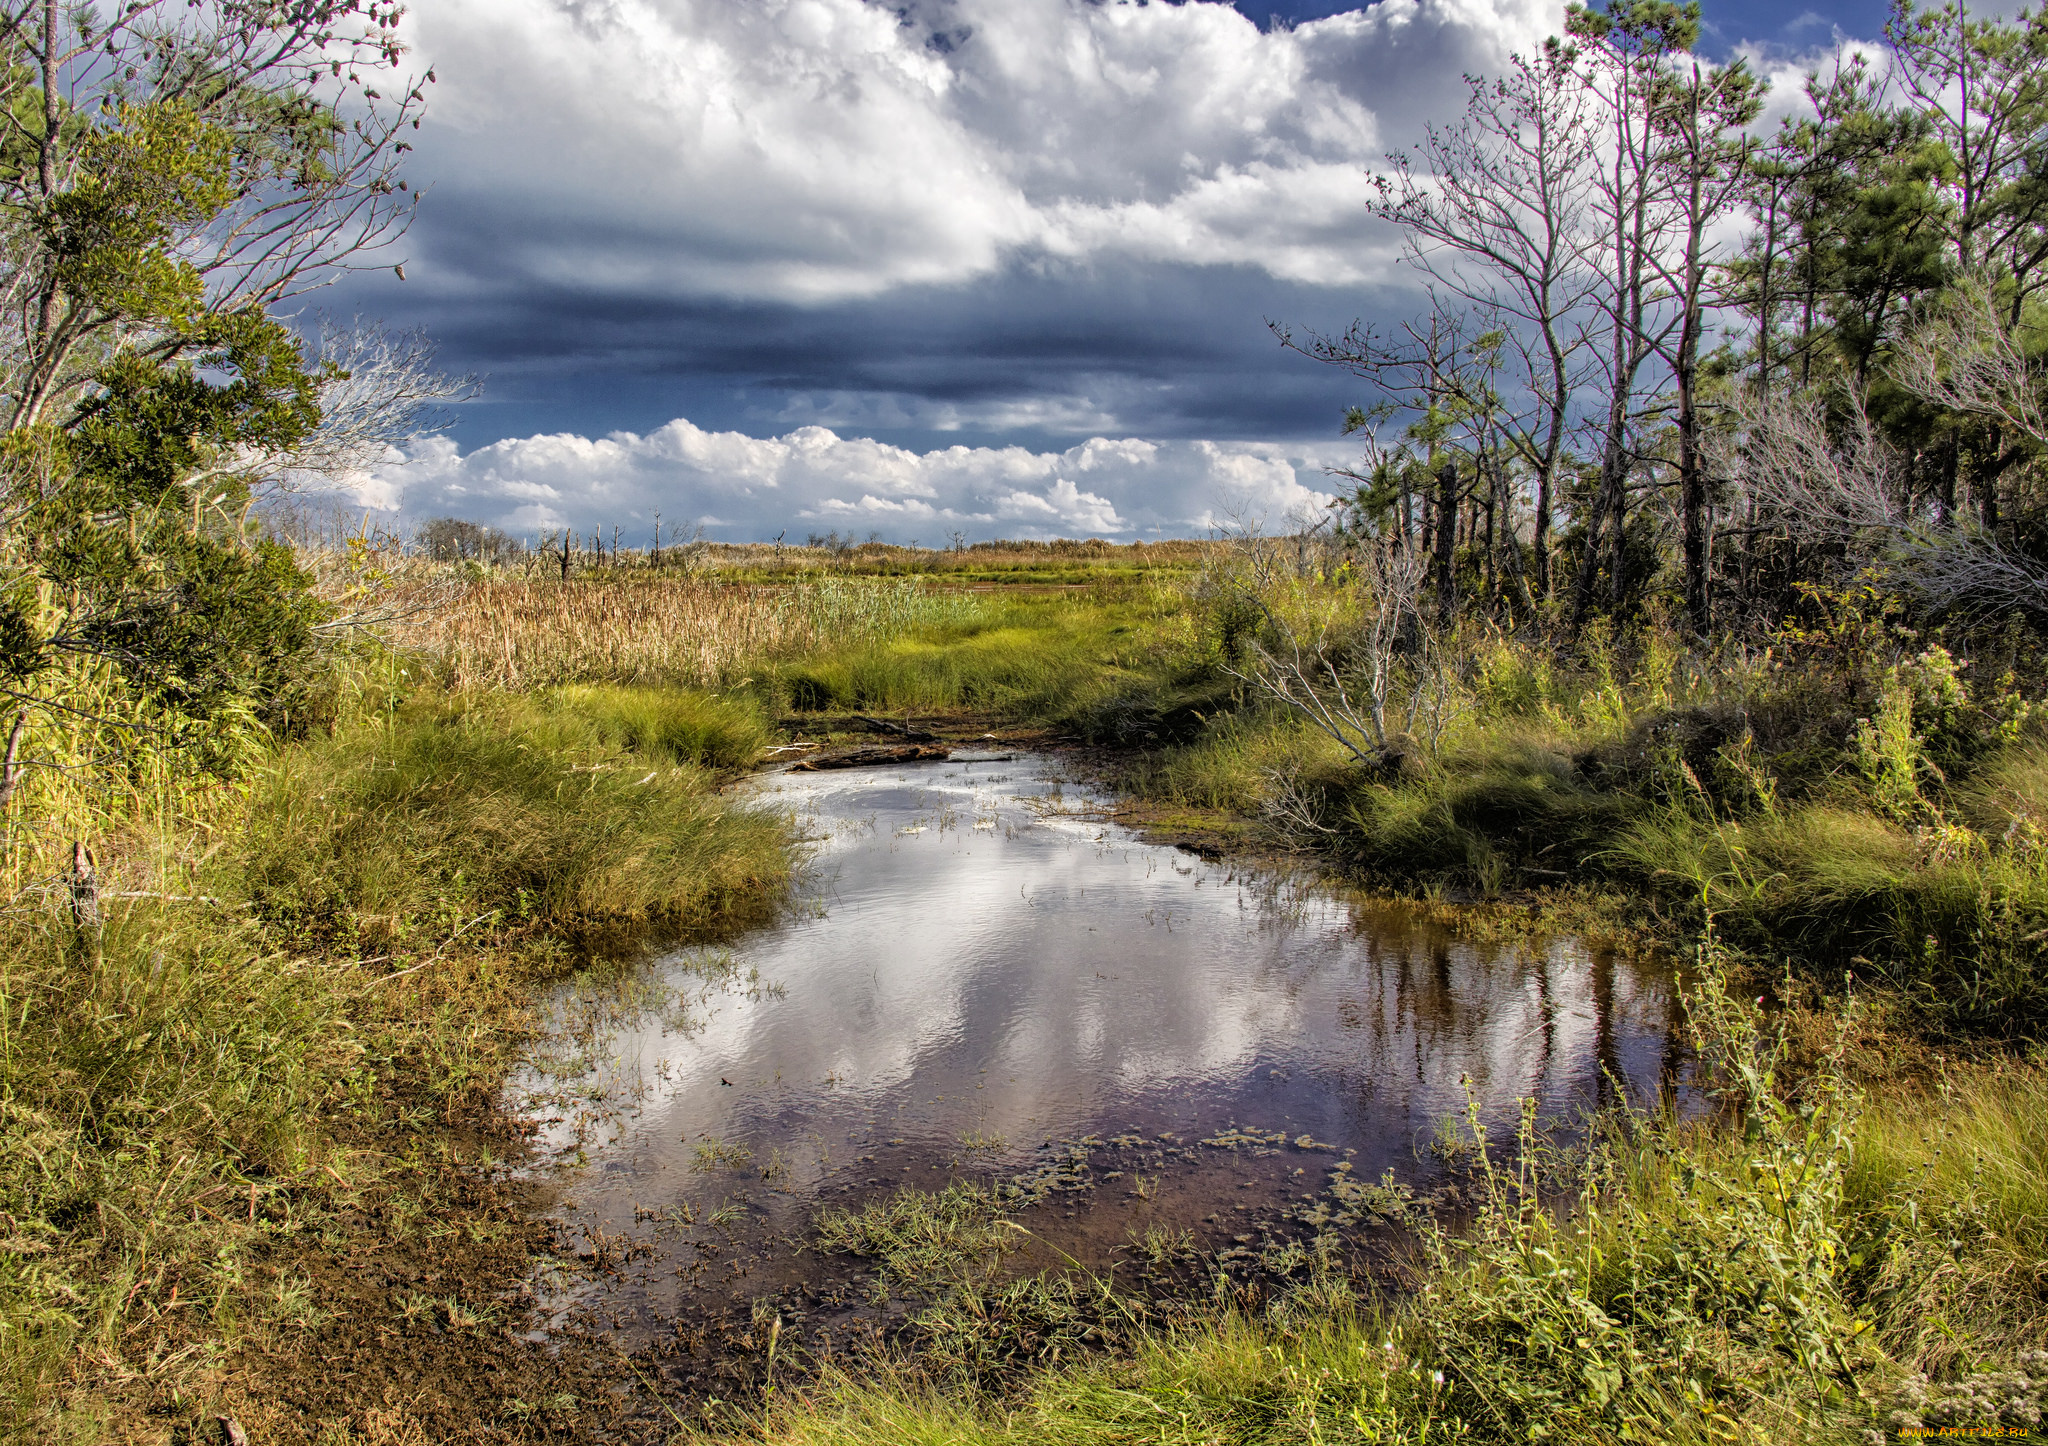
(652, 629)
(707, 614)
(1002, 555)
(772, 561)
(518, 635)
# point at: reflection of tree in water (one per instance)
(1607, 1074)
(961, 1002)
(1430, 1009)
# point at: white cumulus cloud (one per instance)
(812, 479)
(819, 150)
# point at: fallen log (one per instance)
(873, 757)
(901, 730)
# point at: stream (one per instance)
(988, 979)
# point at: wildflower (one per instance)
(1437, 1377)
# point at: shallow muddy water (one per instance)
(992, 981)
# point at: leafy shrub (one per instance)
(1677, 1276)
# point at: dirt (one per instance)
(424, 1340)
(873, 757)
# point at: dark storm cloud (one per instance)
(1158, 351)
(940, 224)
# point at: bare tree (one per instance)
(379, 389)
(1826, 471)
(1499, 219)
(1623, 61)
(1699, 116)
(455, 539)
(688, 555)
(1823, 471)
(1366, 667)
(1964, 356)
(1442, 375)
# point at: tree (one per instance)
(1445, 379)
(451, 539)
(1572, 230)
(1498, 219)
(1626, 50)
(162, 158)
(168, 174)
(1981, 88)
(1699, 116)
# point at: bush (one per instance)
(1680, 1277)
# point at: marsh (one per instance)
(990, 980)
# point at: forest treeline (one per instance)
(1670, 346)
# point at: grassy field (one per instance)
(1854, 811)
(278, 1055)
(294, 1017)
(280, 1047)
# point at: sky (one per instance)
(995, 268)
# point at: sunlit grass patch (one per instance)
(672, 725)
(1042, 658)
(714, 1154)
(1235, 764)
(517, 808)
(1952, 1180)
(922, 1239)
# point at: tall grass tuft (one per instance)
(522, 810)
(1951, 1182)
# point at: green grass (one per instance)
(345, 965)
(1239, 1381)
(668, 725)
(1046, 659)
(578, 806)
(185, 1065)
(922, 1240)
(388, 899)
(1761, 794)
(1782, 1283)
(343, 975)
(1231, 765)
(1951, 1182)
(1843, 1257)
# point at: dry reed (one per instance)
(491, 633)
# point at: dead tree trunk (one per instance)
(1446, 540)
(10, 768)
(85, 900)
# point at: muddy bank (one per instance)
(421, 1329)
